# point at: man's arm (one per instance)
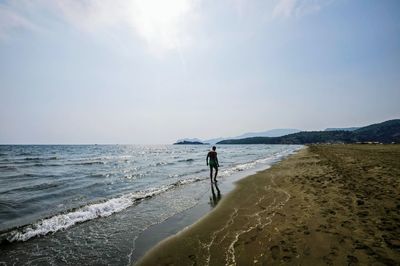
(216, 158)
(208, 155)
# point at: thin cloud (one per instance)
(158, 23)
(11, 21)
(298, 8)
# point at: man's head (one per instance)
(214, 148)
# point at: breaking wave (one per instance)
(86, 213)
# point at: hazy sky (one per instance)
(146, 71)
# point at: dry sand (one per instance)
(326, 205)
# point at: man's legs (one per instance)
(216, 173)
(211, 172)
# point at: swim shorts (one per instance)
(213, 164)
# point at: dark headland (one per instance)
(385, 132)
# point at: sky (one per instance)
(154, 71)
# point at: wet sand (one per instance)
(327, 204)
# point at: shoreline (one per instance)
(321, 205)
(157, 233)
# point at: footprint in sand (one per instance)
(275, 251)
(352, 260)
(193, 259)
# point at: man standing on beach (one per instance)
(213, 162)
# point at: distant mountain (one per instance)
(269, 133)
(341, 129)
(386, 132)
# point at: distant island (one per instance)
(385, 132)
(185, 142)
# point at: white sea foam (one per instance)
(86, 213)
(64, 221)
(267, 161)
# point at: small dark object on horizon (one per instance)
(185, 142)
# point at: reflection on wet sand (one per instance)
(214, 198)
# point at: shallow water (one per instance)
(88, 204)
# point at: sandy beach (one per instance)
(325, 205)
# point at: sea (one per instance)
(88, 204)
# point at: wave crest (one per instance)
(86, 213)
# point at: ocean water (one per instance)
(87, 204)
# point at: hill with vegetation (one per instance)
(386, 132)
(341, 129)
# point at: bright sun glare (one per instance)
(160, 22)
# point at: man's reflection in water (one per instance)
(215, 197)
